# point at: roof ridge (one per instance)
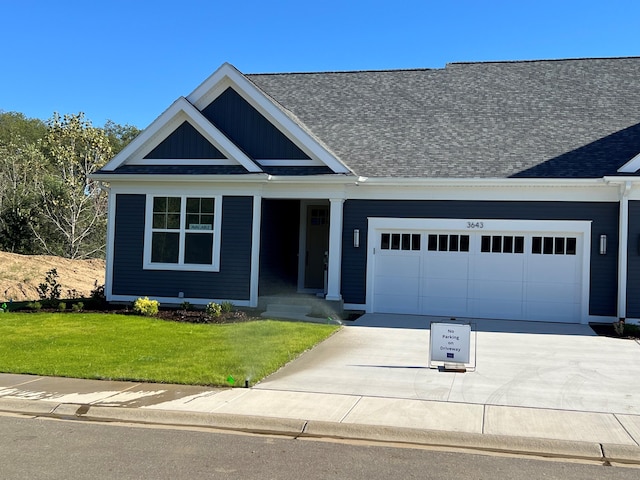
(544, 60)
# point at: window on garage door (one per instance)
(400, 241)
(448, 243)
(501, 244)
(553, 245)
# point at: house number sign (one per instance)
(475, 225)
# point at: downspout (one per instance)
(623, 241)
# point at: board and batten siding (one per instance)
(249, 130)
(604, 217)
(231, 282)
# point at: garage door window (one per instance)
(553, 245)
(400, 241)
(501, 244)
(448, 243)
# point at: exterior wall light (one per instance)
(603, 244)
(356, 238)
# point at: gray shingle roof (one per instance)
(557, 118)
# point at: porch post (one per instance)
(255, 250)
(335, 250)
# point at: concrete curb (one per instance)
(440, 438)
(299, 428)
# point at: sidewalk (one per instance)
(277, 406)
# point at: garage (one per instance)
(499, 269)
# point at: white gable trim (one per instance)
(632, 166)
(228, 76)
(180, 111)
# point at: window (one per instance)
(448, 243)
(183, 234)
(501, 244)
(553, 245)
(400, 241)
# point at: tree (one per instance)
(74, 206)
(119, 135)
(20, 164)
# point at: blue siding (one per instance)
(604, 217)
(231, 282)
(249, 130)
(185, 142)
(633, 252)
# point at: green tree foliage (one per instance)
(48, 203)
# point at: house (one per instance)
(503, 190)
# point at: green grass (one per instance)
(127, 347)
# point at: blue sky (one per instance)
(128, 60)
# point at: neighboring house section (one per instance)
(487, 190)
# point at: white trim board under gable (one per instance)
(228, 76)
(180, 111)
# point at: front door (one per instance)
(317, 246)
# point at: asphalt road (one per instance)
(35, 448)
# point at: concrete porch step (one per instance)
(299, 312)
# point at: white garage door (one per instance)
(479, 274)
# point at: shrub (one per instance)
(213, 309)
(98, 297)
(35, 306)
(186, 306)
(50, 288)
(77, 307)
(62, 306)
(146, 307)
(227, 307)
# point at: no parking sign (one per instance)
(450, 343)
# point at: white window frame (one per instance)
(181, 266)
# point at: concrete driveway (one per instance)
(523, 364)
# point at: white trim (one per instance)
(179, 300)
(632, 166)
(335, 249)
(583, 227)
(623, 239)
(227, 75)
(290, 163)
(184, 161)
(255, 251)
(147, 264)
(111, 235)
(180, 111)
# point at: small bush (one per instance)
(77, 307)
(98, 297)
(146, 307)
(213, 309)
(50, 289)
(227, 307)
(35, 306)
(62, 306)
(186, 306)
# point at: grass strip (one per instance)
(127, 347)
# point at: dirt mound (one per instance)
(20, 275)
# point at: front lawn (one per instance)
(127, 347)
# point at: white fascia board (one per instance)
(181, 110)
(632, 166)
(227, 75)
(480, 182)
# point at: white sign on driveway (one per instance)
(450, 342)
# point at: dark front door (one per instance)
(317, 246)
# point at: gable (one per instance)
(250, 130)
(185, 142)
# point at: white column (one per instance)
(335, 250)
(622, 250)
(255, 250)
